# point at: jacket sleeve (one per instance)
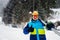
(25, 30)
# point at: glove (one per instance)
(30, 29)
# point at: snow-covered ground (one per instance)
(9, 33)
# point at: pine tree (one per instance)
(17, 11)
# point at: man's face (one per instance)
(35, 17)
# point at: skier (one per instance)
(35, 27)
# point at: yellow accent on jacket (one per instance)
(40, 31)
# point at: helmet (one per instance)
(35, 13)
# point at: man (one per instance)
(35, 27)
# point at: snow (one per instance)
(9, 33)
(50, 35)
(57, 9)
(55, 16)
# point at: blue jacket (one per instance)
(38, 26)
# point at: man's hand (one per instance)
(31, 29)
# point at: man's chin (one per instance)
(35, 19)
